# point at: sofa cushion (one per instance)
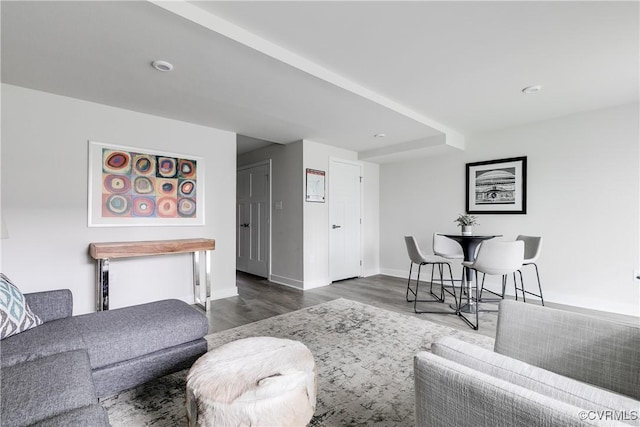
(49, 338)
(46, 387)
(127, 333)
(93, 415)
(15, 314)
(51, 305)
(532, 378)
(121, 376)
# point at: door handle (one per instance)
(244, 225)
(335, 226)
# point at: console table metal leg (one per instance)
(197, 293)
(102, 284)
(208, 275)
(197, 274)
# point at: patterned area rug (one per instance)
(364, 362)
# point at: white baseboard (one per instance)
(223, 293)
(316, 284)
(369, 273)
(403, 274)
(297, 284)
(394, 273)
(424, 275)
(286, 281)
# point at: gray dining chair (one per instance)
(446, 248)
(417, 257)
(493, 258)
(532, 247)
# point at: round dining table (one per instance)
(469, 246)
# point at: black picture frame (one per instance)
(497, 186)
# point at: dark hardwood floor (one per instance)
(260, 299)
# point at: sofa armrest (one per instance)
(589, 349)
(449, 394)
(51, 305)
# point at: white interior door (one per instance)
(345, 245)
(253, 202)
(243, 192)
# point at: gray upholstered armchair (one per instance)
(548, 368)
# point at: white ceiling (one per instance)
(424, 73)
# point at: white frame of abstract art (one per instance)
(95, 218)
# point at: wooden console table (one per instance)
(103, 252)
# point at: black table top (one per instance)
(474, 236)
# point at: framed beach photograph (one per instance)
(497, 186)
(139, 187)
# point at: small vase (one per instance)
(467, 230)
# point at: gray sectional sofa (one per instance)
(548, 368)
(53, 374)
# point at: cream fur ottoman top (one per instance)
(259, 381)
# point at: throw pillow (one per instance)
(15, 314)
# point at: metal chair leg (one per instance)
(477, 300)
(471, 298)
(524, 297)
(504, 284)
(453, 287)
(436, 298)
(415, 293)
(482, 289)
(415, 300)
(409, 282)
(459, 304)
(431, 282)
(442, 286)
(539, 285)
(441, 297)
(527, 292)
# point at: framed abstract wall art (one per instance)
(497, 186)
(138, 187)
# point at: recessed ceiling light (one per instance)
(532, 89)
(163, 66)
(379, 135)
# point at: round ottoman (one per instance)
(259, 381)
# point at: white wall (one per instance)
(371, 220)
(44, 199)
(583, 186)
(316, 215)
(300, 233)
